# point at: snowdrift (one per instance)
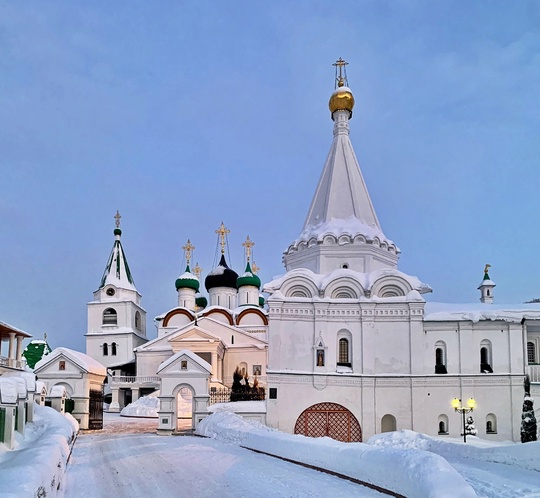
(526, 456)
(145, 406)
(406, 471)
(37, 465)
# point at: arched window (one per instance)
(105, 349)
(485, 357)
(491, 423)
(531, 353)
(137, 320)
(343, 358)
(388, 423)
(113, 349)
(443, 424)
(110, 317)
(440, 357)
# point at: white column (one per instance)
(214, 368)
(220, 369)
(11, 353)
(134, 394)
(115, 405)
(19, 350)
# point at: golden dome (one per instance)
(342, 99)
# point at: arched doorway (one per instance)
(329, 419)
(184, 408)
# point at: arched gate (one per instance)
(329, 419)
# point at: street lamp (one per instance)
(458, 407)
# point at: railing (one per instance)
(122, 379)
(224, 395)
(4, 362)
(534, 372)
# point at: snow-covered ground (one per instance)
(128, 459)
(35, 468)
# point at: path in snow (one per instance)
(144, 465)
(497, 480)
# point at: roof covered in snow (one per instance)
(475, 312)
(82, 360)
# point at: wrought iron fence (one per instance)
(225, 395)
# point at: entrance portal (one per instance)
(329, 419)
(184, 409)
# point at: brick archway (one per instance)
(329, 419)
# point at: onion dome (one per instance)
(342, 99)
(187, 281)
(248, 278)
(261, 301)
(201, 301)
(221, 276)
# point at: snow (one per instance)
(218, 270)
(412, 464)
(145, 406)
(366, 280)
(239, 407)
(82, 360)
(37, 464)
(474, 312)
(351, 226)
(188, 275)
(405, 471)
(8, 391)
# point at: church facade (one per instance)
(346, 343)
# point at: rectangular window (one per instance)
(273, 393)
(62, 365)
(183, 365)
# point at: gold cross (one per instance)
(254, 268)
(487, 268)
(117, 218)
(222, 232)
(341, 79)
(197, 270)
(188, 248)
(248, 244)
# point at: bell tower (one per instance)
(116, 320)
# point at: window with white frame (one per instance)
(485, 357)
(443, 424)
(491, 423)
(105, 349)
(137, 320)
(531, 352)
(113, 349)
(344, 356)
(440, 357)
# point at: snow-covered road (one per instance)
(146, 465)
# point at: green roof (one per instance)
(35, 351)
(187, 281)
(248, 278)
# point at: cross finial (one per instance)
(248, 244)
(45, 336)
(197, 271)
(341, 80)
(117, 218)
(222, 231)
(188, 249)
(254, 268)
(486, 269)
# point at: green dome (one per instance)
(248, 278)
(187, 281)
(117, 231)
(201, 301)
(261, 301)
(36, 350)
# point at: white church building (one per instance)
(346, 344)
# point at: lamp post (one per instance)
(459, 408)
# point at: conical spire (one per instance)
(117, 271)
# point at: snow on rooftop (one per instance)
(218, 270)
(474, 312)
(80, 359)
(351, 226)
(366, 280)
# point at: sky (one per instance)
(185, 114)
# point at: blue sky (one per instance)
(183, 114)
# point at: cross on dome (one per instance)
(222, 231)
(197, 270)
(254, 268)
(117, 217)
(248, 244)
(188, 249)
(340, 64)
